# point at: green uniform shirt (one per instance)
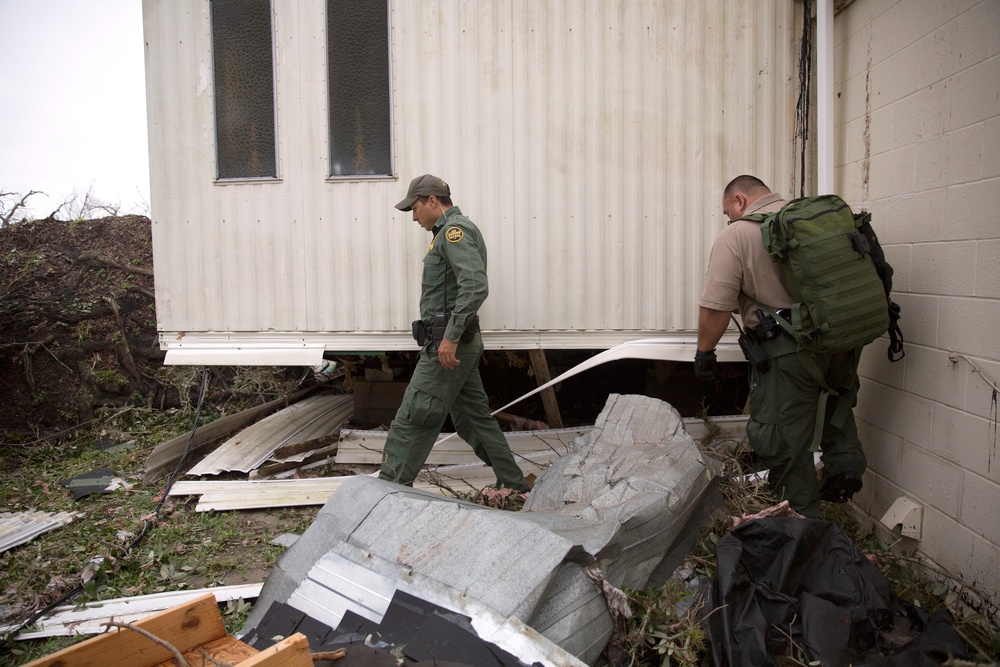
(454, 273)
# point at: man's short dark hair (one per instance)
(445, 201)
(745, 184)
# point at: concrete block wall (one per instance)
(917, 142)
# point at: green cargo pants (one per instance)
(432, 394)
(783, 403)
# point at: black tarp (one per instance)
(788, 580)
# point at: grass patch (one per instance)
(184, 549)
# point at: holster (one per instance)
(422, 333)
(753, 353)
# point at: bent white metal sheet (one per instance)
(315, 419)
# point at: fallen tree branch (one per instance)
(94, 258)
(329, 655)
(150, 636)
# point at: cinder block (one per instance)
(882, 450)
(973, 94)
(964, 155)
(988, 269)
(970, 207)
(961, 42)
(930, 478)
(917, 19)
(857, 51)
(849, 101)
(868, 405)
(991, 144)
(930, 163)
(966, 440)
(920, 318)
(919, 217)
(905, 415)
(931, 375)
(959, 550)
(979, 397)
(895, 77)
(919, 116)
(892, 173)
(969, 326)
(858, 14)
(981, 506)
(944, 268)
(899, 258)
(876, 367)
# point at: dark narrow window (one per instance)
(358, 61)
(244, 88)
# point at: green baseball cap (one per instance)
(424, 186)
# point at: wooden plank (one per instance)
(185, 627)
(543, 375)
(225, 650)
(165, 456)
(291, 651)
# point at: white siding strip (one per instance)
(91, 618)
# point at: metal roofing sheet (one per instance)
(19, 527)
(313, 420)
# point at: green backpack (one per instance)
(840, 300)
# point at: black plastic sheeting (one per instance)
(413, 632)
(782, 580)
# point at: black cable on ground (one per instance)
(147, 524)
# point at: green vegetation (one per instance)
(182, 548)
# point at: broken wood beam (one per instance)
(540, 365)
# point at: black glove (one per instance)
(704, 365)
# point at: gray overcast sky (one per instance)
(73, 115)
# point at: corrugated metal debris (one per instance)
(618, 505)
(304, 426)
(20, 527)
(91, 618)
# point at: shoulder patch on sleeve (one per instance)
(454, 234)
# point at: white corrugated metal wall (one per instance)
(589, 139)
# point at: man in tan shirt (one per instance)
(784, 397)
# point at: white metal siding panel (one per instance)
(589, 139)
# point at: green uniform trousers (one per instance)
(783, 412)
(432, 394)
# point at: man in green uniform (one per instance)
(446, 379)
(785, 396)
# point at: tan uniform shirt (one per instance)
(740, 266)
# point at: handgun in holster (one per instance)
(423, 333)
(751, 348)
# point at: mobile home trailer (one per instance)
(588, 139)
